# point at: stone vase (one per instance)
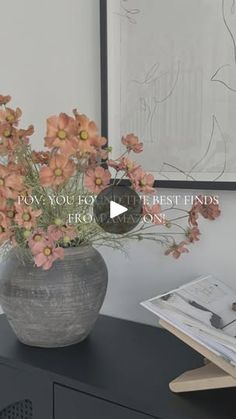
(57, 307)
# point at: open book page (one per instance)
(203, 309)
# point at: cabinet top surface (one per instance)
(127, 363)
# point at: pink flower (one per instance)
(132, 143)
(141, 181)
(60, 169)
(97, 179)
(177, 249)
(37, 236)
(61, 133)
(124, 163)
(9, 211)
(193, 215)
(3, 202)
(6, 135)
(26, 217)
(208, 208)
(45, 253)
(40, 157)
(87, 133)
(155, 214)
(64, 232)
(4, 228)
(115, 164)
(10, 116)
(98, 142)
(23, 134)
(192, 234)
(10, 182)
(11, 138)
(4, 99)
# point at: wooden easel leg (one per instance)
(205, 378)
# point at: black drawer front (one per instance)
(24, 395)
(71, 404)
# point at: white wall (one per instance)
(50, 58)
(50, 63)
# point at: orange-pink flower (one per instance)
(192, 234)
(9, 210)
(142, 181)
(4, 230)
(155, 214)
(45, 253)
(208, 208)
(23, 134)
(17, 168)
(6, 130)
(124, 163)
(3, 202)
(12, 138)
(26, 217)
(97, 179)
(10, 182)
(10, 116)
(87, 133)
(193, 215)
(4, 99)
(64, 232)
(60, 169)
(61, 133)
(98, 142)
(40, 157)
(132, 143)
(36, 236)
(177, 249)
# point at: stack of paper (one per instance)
(205, 310)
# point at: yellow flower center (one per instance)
(142, 182)
(58, 172)
(7, 132)
(10, 117)
(47, 251)
(10, 214)
(83, 135)
(37, 237)
(1, 182)
(61, 134)
(26, 216)
(129, 167)
(98, 181)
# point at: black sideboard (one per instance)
(121, 371)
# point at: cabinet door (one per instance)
(24, 395)
(75, 405)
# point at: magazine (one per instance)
(205, 310)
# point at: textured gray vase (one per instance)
(58, 307)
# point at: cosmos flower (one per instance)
(97, 179)
(177, 249)
(45, 252)
(132, 143)
(59, 169)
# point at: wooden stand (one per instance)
(218, 373)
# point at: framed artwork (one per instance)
(168, 75)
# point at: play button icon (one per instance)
(118, 209)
